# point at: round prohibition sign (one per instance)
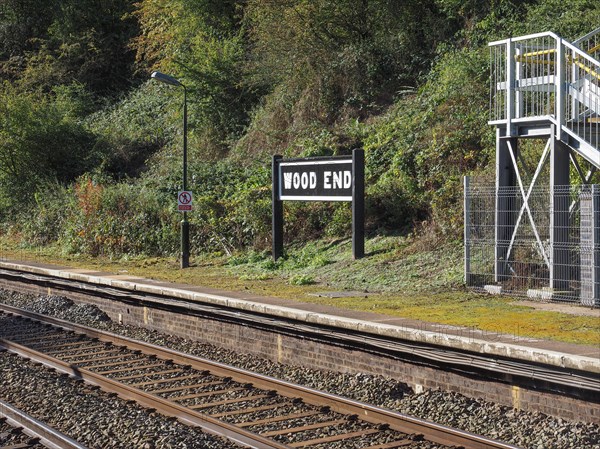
(185, 198)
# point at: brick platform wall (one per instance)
(291, 350)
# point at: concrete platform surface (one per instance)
(572, 356)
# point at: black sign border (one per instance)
(358, 199)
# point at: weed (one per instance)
(270, 264)
(247, 257)
(301, 279)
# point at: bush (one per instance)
(120, 219)
(417, 153)
(40, 142)
(131, 130)
(44, 223)
(102, 219)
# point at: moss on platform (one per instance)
(401, 276)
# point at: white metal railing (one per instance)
(544, 78)
(590, 43)
(582, 109)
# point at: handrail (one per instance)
(544, 78)
(587, 54)
(586, 69)
(524, 38)
(576, 49)
(586, 37)
(593, 49)
(537, 53)
(581, 52)
(528, 57)
(545, 34)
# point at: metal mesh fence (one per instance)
(545, 245)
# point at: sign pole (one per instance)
(467, 228)
(277, 213)
(358, 204)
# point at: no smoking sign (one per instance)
(184, 201)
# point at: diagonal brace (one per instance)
(525, 196)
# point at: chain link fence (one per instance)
(542, 243)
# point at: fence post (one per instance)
(467, 228)
(504, 218)
(588, 223)
(596, 245)
(510, 87)
(561, 79)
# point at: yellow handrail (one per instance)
(586, 69)
(528, 58)
(541, 52)
(593, 49)
(536, 61)
(525, 56)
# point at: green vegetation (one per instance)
(90, 149)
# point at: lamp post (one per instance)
(185, 226)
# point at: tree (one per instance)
(23, 23)
(40, 141)
(50, 42)
(325, 61)
(359, 47)
(203, 43)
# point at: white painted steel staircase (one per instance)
(541, 82)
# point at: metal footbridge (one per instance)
(543, 81)
(545, 233)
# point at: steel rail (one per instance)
(48, 436)
(434, 432)
(551, 378)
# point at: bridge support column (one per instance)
(505, 197)
(560, 201)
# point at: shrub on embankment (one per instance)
(232, 210)
(90, 151)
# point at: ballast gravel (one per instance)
(92, 417)
(529, 430)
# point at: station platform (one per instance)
(571, 356)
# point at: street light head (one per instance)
(166, 79)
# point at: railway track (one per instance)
(551, 376)
(250, 409)
(18, 430)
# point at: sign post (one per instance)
(336, 178)
(184, 204)
(358, 204)
(277, 217)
